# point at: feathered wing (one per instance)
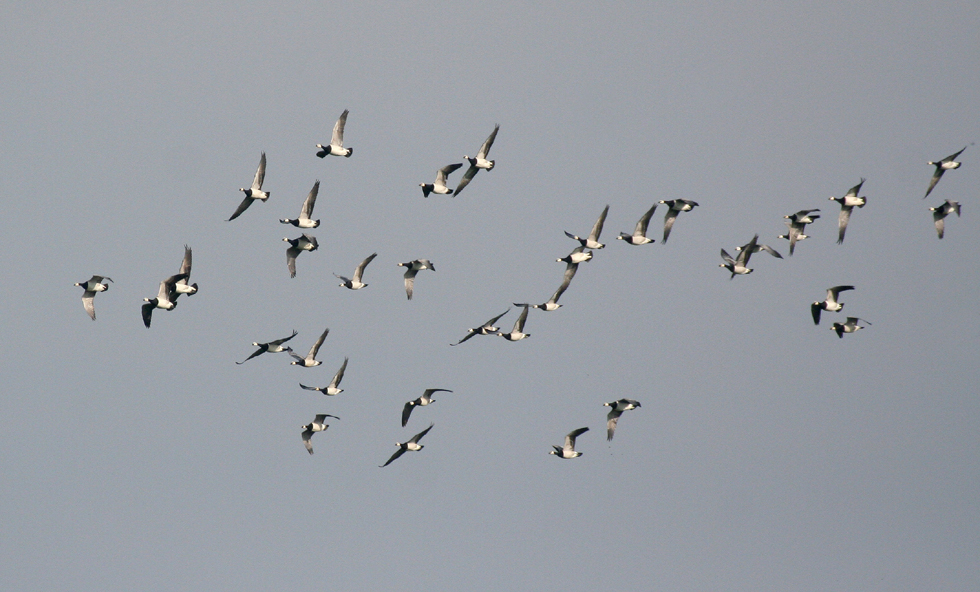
(291, 254)
(599, 223)
(264, 348)
(241, 208)
(339, 375)
(88, 301)
(407, 412)
(611, 421)
(148, 313)
(669, 223)
(467, 177)
(842, 220)
(815, 309)
(397, 453)
(259, 175)
(485, 149)
(519, 325)
(307, 211)
(410, 282)
(359, 272)
(935, 179)
(641, 226)
(316, 346)
(306, 435)
(421, 434)
(185, 265)
(570, 438)
(337, 139)
(939, 217)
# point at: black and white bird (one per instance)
(849, 326)
(413, 268)
(518, 331)
(310, 360)
(336, 145)
(166, 298)
(478, 162)
(355, 282)
(568, 450)
(592, 242)
(254, 192)
(319, 424)
(410, 446)
(639, 236)
(334, 387)
(797, 224)
(830, 303)
(675, 206)
(439, 186)
(273, 347)
(296, 246)
(425, 399)
(761, 248)
(847, 203)
(740, 265)
(552, 304)
(305, 220)
(91, 286)
(487, 328)
(616, 408)
(578, 255)
(182, 286)
(939, 215)
(942, 166)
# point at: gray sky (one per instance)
(768, 454)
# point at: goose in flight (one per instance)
(518, 332)
(336, 146)
(740, 265)
(272, 347)
(849, 326)
(425, 399)
(319, 424)
(410, 446)
(166, 298)
(616, 408)
(484, 329)
(182, 287)
(253, 193)
(479, 162)
(296, 246)
(414, 267)
(568, 450)
(942, 166)
(570, 270)
(95, 284)
(355, 283)
(592, 242)
(310, 360)
(830, 303)
(674, 207)
(766, 248)
(848, 203)
(439, 186)
(639, 236)
(304, 220)
(334, 387)
(797, 224)
(578, 255)
(938, 215)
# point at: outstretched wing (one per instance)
(319, 342)
(597, 228)
(570, 438)
(339, 375)
(669, 223)
(485, 149)
(407, 412)
(842, 220)
(445, 171)
(259, 175)
(641, 226)
(241, 208)
(291, 253)
(310, 202)
(467, 177)
(422, 434)
(337, 139)
(397, 453)
(360, 268)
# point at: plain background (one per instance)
(768, 454)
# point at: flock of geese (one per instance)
(171, 288)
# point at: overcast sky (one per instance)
(768, 454)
